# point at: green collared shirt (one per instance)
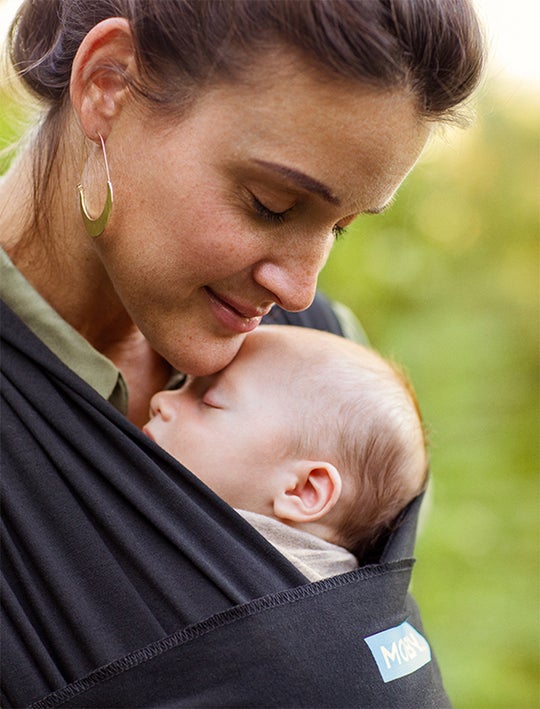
(67, 344)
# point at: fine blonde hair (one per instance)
(361, 414)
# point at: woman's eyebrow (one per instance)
(302, 180)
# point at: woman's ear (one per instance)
(315, 489)
(99, 73)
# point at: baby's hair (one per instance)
(392, 461)
(369, 425)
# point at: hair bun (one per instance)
(36, 48)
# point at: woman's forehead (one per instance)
(358, 141)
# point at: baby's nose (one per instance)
(163, 404)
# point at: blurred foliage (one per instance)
(17, 115)
(446, 282)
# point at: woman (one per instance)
(194, 164)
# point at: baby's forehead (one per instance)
(306, 344)
(289, 337)
(320, 362)
(284, 346)
(297, 360)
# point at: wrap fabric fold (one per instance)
(126, 582)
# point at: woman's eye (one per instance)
(338, 231)
(268, 214)
(279, 217)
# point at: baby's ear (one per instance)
(313, 492)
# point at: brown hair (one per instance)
(391, 461)
(432, 47)
(369, 425)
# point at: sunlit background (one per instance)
(447, 283)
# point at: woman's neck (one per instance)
(57, 257)
(68, 273)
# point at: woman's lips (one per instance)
(234, 316)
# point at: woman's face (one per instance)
(235, 207)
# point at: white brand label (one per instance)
(399, 651)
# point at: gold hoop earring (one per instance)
(95, 227)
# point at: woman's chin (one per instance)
(207, 356)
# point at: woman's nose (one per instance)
(292, 279)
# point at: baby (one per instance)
(317, 441)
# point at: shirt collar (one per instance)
(62, 339)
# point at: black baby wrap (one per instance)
(127, 583)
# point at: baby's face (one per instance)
(232, 428)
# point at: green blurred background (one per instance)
(446, 282)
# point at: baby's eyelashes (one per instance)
(211, 398)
